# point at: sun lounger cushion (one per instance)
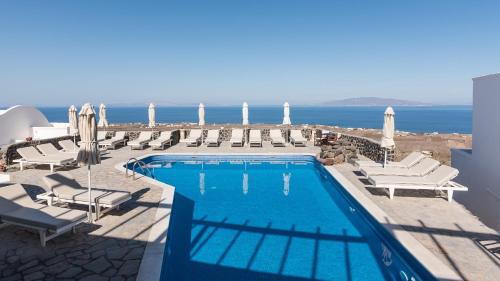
(420, 169)
(437, 178)
(48, 217)
(64, 186)
(410, 160)
(143, 137)
(30, 154)
(164, 136)
(17, 207)
(68, 145)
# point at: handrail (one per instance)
(141, 164)
(126, 165)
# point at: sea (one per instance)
(418, 119)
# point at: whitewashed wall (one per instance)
(480, 170)
(17, 121)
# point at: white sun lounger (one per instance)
(194, 138)
(17, 208)
(62, 187)
(276, 138)
(141, 141)
(255, 139)
(212, 138)
(410, 160)
(68, 145)
(118, 139)
(31, 156)
(237, 138)
(49, 150)
(163, 140)
(439, 179)
(4, 178)
(420, 169)
(297, 139)
(101, 136)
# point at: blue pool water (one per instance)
(250, 218)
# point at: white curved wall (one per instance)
(16, 123)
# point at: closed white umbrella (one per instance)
(286, 114)
(245, 113)
(73, 123)
(201, 114)
(387, 140)
(152, 115)
(88, 153)
(103, 121)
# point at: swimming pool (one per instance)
(245, 218)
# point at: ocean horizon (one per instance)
(416, 119)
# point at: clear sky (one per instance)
(227, 52)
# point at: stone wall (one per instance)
(368, 147)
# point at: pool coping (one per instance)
(426, 258)
(152, 260)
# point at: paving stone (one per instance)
(117, 278)
(135, 254)
(54, 260)
(130, 267)
(15, 277)
(74, 254)
(34, 269)
(97, 254)
(34, 276)
(56, 268)
(28, 265)
(93, 278)
(70, 272)
(13, 259)
(110, 272)
(79, 262)
(117, 253)
(8, 271)
(117, 263)
(99, 265)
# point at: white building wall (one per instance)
(480, 170)
(17, 121)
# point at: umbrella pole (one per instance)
(385, 157)
(90, 196)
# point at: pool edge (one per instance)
(426, 258)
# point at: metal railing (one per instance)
(140, 164)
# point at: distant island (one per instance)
(373, 101)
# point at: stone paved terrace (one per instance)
(112, 248)
(448, 230)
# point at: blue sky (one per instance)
(227, 52)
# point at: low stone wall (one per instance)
(368, 147)
(10, 154)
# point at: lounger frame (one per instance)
(165, 142)
(23, 162)
(139, 143)
(44, 233)
(449, 187)
(100, 208)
